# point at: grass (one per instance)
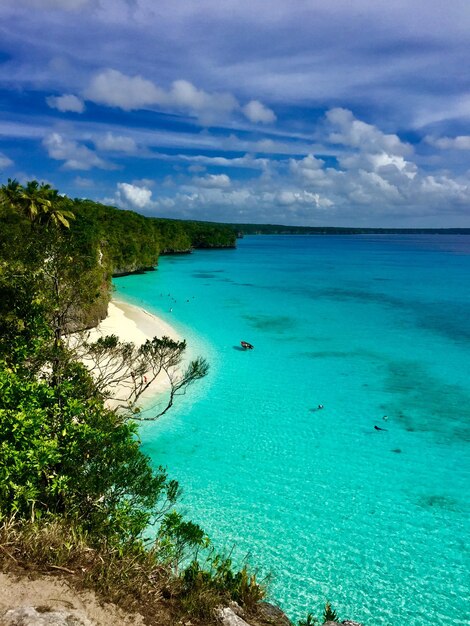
(128, 575)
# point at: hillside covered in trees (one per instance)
(77, 495)
(104, 241)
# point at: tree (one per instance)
(123, 371)
(39, 202)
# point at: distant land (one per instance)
(279, 229)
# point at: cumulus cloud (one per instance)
(75, 156)
(290, 197)
(5, 161)
(349, 131)
(256, 111)
(461, 142)
(220, 181)
(116, 143)
(309, 169)
(201, 160)
(65, 103)
(111, 87)
(378, 162)
(134, 196)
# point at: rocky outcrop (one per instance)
(266, 615)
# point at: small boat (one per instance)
(246, 346)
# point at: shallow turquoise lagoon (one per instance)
(374, 521)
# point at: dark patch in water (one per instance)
(327, 354)
(437, 501)
(448, 319)
(451, 321)
(341, 354)
(203, 275)
(341, 294)
(274, 323)
(396, 450)
(422, 402)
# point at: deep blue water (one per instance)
(375, 521)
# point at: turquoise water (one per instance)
(374, 521)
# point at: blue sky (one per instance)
(309, 112)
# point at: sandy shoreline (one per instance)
(131, 323)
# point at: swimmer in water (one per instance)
(385, 418)
(320, 406)
(378, 428)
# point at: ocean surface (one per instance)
(368, 326)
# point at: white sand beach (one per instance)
(131, 323)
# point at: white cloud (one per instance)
(256, 111)
(309, 169)
(379, 162)
(289, 197)
(201, 160)
(5, 161)
(220, 181)
(461, 142)
(133, 196)
(112, 88)
(75, 156)
(349, 131)
(67, 102)
(186, 96)
(116, 143)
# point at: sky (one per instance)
(305, 112)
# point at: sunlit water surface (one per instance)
(374, 521)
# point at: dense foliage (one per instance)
(131, 242)
(69, 464)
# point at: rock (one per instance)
(29, 616)
(272, 614)
(228, 617)
(236, 608)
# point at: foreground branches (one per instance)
(123, 371)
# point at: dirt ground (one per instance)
(55, 593)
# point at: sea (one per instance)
(365, 502)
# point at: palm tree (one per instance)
(40, 203)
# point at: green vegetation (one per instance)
(76, 492)
(131, 242)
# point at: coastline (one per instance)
(131, 323)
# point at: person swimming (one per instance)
(378, 428)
